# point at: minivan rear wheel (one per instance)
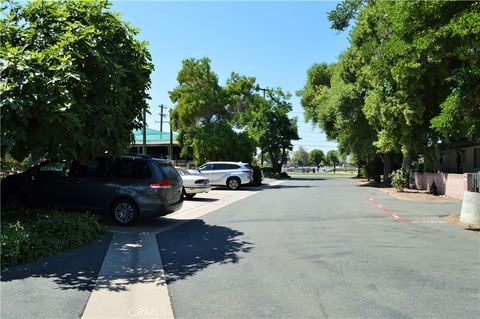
(233, 183)
(124, 212)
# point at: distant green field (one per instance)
(338, 173)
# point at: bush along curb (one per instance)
(31, 234)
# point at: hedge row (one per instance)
(31, 234)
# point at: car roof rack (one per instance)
(137, 156)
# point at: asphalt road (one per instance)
(323, 248)
(52, 287)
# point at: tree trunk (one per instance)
(284, 155)
(387, 167)
(407, 160)
(275, 166)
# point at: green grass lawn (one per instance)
(338, 173)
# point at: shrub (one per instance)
(268, 172)
(28, 235)
(400, 179)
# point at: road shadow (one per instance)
(281, 186)
(243, 188)
(76, 268)
(306, 178)
(365, 183)
(194, 246)
(202, 199)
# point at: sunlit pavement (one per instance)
(131, 282)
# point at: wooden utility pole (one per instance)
(258, 88)
(162, 115)
(170, 148)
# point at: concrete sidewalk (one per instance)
(131, 282)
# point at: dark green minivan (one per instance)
(126, 188)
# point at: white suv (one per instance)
(232, 174)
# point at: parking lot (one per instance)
(307, 247)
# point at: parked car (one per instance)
(231, 174)
(127, 188)
(193, 184)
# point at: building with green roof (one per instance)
(157, 143)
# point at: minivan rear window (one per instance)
(169, 171)
(133, 169)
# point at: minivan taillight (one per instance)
(165, 183)
(248, 171)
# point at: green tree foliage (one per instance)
(218, 141)
(409, 78)
(460, 112)
(343, 13)
(332, 158)
(300, 157)
(9, 164)
(422, 67)
(332, 101)
(315, 93)
(316, 156)
(73, 79)
(268, 123)
(207, 112)
(199, 98)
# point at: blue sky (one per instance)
(274, 41)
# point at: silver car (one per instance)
(193, 184)
(231, 174)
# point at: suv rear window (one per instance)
(133, 169)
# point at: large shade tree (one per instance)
(332, 102)
(227, 122)
(73, 79)
(205, 111)
(267, 121)
(417, 64)
(316, 157)
(409, 79)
